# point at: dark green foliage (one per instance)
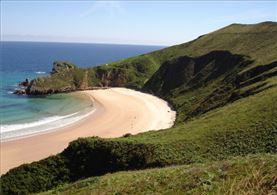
(59, 67)
(190, 73)
(241, 175)
(214, 78)
(80, 78)
(35, 177)
(241, 142)
(97, 156)
(81, 159)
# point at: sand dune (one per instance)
(118, 111)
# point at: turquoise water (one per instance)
(22, 109)
(23, 115)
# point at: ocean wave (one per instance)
(40, 126)
(13, 127)
(40, 72)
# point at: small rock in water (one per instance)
(24, 83)
(20, 92)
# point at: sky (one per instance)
(126, 22)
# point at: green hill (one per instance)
(248, 175)
(223, 87)
(256, 41)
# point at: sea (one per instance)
(23, 115)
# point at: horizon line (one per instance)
(100, 43)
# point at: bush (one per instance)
(82, 158)
(35, 177)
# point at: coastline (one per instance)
(117, 111)
(44, 114)
(80, 116)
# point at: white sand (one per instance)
(118, 111)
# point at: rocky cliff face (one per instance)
(67, 77)
(64, 77)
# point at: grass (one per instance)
(255, 41)
(211, 136)
(224, 91)
(249, 175)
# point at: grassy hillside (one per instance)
(247, 126)
(217, 68)
(197, 85)
(256, 41)
(223, 86)
(249, 175)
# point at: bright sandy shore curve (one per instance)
(117, 111)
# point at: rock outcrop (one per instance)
(63, 78)
(22, 87)
(59, 67)
(25, 83)
(20, 92)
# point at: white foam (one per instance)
(40, 72)
(26, 129)
(13, 127)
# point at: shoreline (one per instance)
(53, 129)
(117, 111)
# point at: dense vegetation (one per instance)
(223, 86)
(249, 175)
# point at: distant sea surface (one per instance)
(23, 115)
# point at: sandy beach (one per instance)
(117, 111)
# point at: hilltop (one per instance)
(223, 87)
(254, 41)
